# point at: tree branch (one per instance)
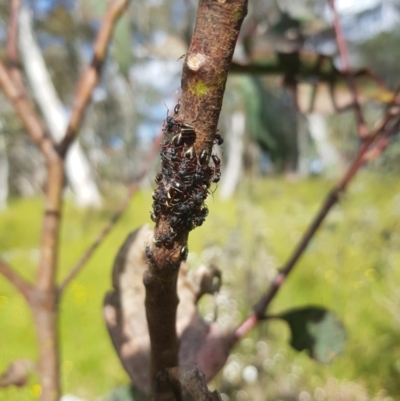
(51, 225)
(175, 210)
(342, 47)
(386, 127)
(91, 76)
(114, 219)
(12, 48)
(27, 114)
(16, 280)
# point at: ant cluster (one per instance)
(184, 181)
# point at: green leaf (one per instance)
(316, 330)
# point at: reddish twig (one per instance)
(27, 114)
(91, 76)
(114, 219)
(12, 45)
(342, 47)
(12, 33)
(387, 126)
(382, 143)
(16, 280)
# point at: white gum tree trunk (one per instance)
(78, 169)
(234, 166)
(327, 152)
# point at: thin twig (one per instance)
(342, 47)
(114, 219)
(387, 126)
(27, 114)
(91, 76)
(16, 280)
(12, 33)
(382, 143)
(12, 45)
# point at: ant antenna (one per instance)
(167, 109)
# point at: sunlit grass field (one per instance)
(352, 266)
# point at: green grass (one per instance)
(351, 266)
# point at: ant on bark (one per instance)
(182, 131)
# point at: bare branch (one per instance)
(386, 127)
(14, 66)
(27, 114)
(51, 225)
(91, 76)
(17, 373)
(12, 40)
(16, 280)
(114, 219)
(341, 44)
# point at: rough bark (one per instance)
(204, 77)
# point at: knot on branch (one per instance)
(197, 60)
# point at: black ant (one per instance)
(165, 239)
(177, 107)
(218, 140)
(149, 256)
(204, 157)
(184, 252)
(181, 129)
(217, 168)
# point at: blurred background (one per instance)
(289, 132)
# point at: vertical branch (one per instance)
(12, 48)
(175, 210)
(51, 225)
(43, 298)
(12, 51)
(344, 55)
(27, 114)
